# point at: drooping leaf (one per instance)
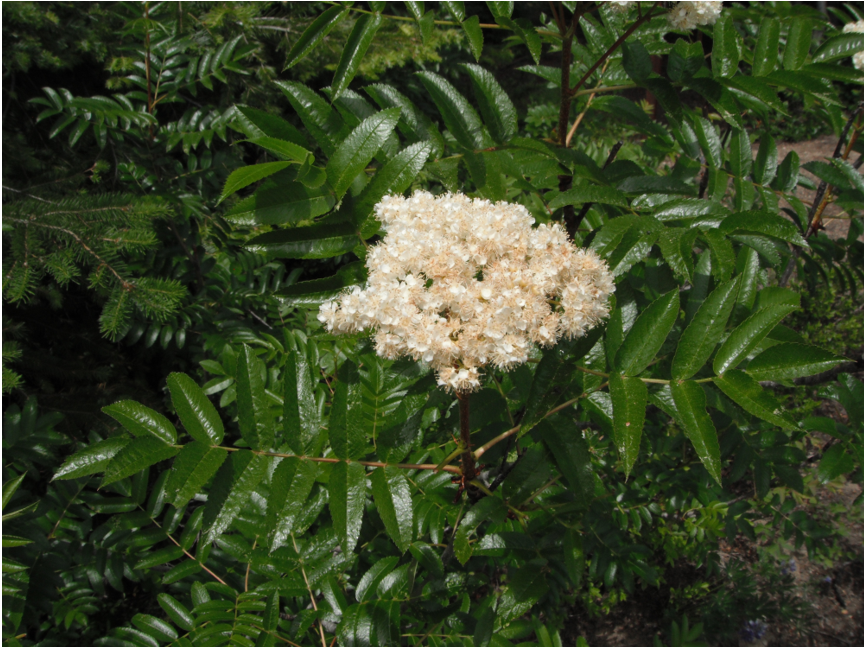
(233, 485)
(320, 119)
(137, 455)
(324, 240)
(317, 291)
(797, 44)
(647, 334)
(347, 437)
(834, 462)
(704, 331)
(459, 117)
(290, 487)
(747, 336)
(839, 46)
(178, 613)
(765, 167)
(280, 203)
(788, 361)
(690, 401)
(243, 177)
(354, 154)
(372, 578)
(570, 452)
(257, 123)
(142, 421)
(300, 418)
(474, 33)
(253, 413)
(589, 193)
(725, 53)
(392, 179)
(196, 412)
(353, 51)
(347, 501)
(629, 399)
(499, 113)
(746, 392)
(194, 466)
(767, 47)
(393, 499)
(315, 33)
(92, 459)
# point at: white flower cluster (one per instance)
(857, 28)
(684, 15)
(461, 283)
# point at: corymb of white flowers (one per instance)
(460, 284)
(684, 15)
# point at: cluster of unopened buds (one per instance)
(461, 283)
(684, 15)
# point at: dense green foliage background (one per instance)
(190, 459)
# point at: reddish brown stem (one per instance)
(468, 465)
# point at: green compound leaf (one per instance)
(354, 154)
(570, 452)
(629, 399)
(499, 113)
(290, 487)
(474, 32)
(193, 468)
(797, 44)
(788, 361)
(315, 33)
(347, 501)
(300, 418)
(137, 455)
(689, 398)
(459, 117)
(317, 291)
(233, 485)
(253, 412)
(257, 123)
(704, 331)
(834, 463)
(347, 437)
(725, 54)
(839, 46)
(589, 193)
(749, 395)
(318, 241)
(392, 497)
(176, 611)
(393, 178)
(243, 177)
(647, 335)
(747, 336)
(196, 412)
(142, 421)
(352, 53)
(319, 118)
(91, 459)
(767, 47)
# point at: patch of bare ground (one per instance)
(835, 220)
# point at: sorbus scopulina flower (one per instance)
(461, 284)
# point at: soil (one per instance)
(835, 220)
(833, 592)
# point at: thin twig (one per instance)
(309, 588)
